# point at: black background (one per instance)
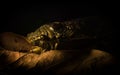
(23, 18)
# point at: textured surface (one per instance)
(56, 62)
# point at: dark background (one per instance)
(24, 18)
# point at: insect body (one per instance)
(49, 35)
